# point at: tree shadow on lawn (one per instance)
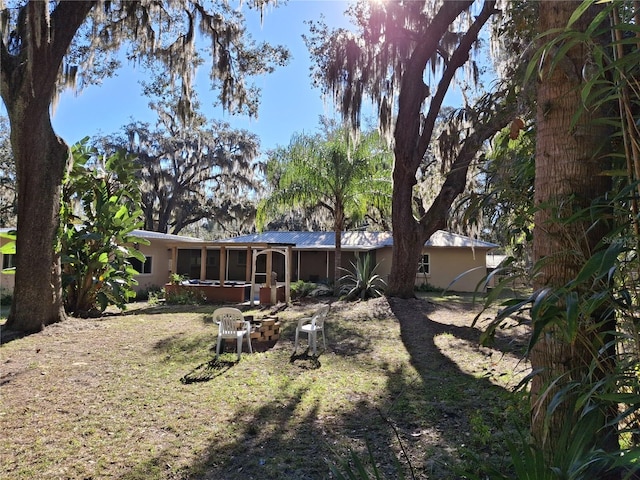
(412, 425)
(456, 394)
(350, 342)
(180, 347)
(428, 422)
(7, 335)
(207, 371)
(419, 331)
(306, 360)
(276, 442)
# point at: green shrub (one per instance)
(184, 296)
(427, 287)
(151, 294)
(155, 296)
(301, 288)
(177, 279)
(97, 241)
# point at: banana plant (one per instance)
(101, 210)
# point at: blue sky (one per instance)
(289, 103)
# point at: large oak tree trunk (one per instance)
(37, 297)
(409, 236)
(29, 74)
(413, 133)
(569, 167)
(410, 233)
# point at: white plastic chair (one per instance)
(231, 324)
(311, 326)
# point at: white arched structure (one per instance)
(286, 251)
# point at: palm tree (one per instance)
(569, 172)
(344, 177)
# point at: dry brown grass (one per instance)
(138, 396)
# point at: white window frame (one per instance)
(425, 261)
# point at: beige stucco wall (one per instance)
(160, 259)
(383, 260)
(448, 263)
(445, 265)
(157, 278)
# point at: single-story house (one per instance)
(445, 257)
(155, 272)
(449, 260)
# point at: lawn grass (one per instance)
(141, 396)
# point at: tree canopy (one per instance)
(193, 173)
(45, 46)
(404, 57)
